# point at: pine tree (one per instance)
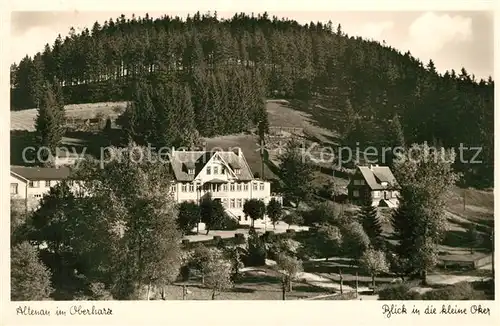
(296, 173)
(30, 278)
(49, 122)
(370, 221)
(395, 140)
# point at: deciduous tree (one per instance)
(419, 222)
(255, 209)
(289, 266)
(189, 216)
(374, 262)
(274, 211)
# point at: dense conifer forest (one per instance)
(212, 76)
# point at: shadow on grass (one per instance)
(19, 140)
(483, 226)
(331, 266)
(309, 288)
(259, 279)
(456, 239)
(242, 290)
(326, 119)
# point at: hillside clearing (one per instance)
(25, 119)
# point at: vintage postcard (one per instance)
(162, 156)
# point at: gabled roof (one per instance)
(181, 161)
(38, 173)
(375, 175)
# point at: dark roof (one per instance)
(37, 173)
(181, 159)
(375, 175)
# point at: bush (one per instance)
(98, 292)
(239, 238)
(226, 223)
(398, 292)
(185, 273)
(256, 254)
(458, 291)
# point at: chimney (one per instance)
(237, 151)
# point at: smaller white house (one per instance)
(31, 183)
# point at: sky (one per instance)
(452, 39)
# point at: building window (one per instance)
(231, 187)
(376, 194)
(239, 203)
(254, 186)
(245, 187)
(34, 184)
(191, 171)
(13, 189)
(238, 187)
(224, 202)
(70, 183)
(216, 170)
(191, 187)
(237, 171)
(37, 195)
(224, 187)
(172, 188)
(355, 193)
(209, 170)
(47, 183)
(232, 203)
(262, 186)
(184, 188)
(359, 182)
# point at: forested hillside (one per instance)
(219, 72)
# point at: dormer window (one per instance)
(190, 171)
(384, 184)
(237, 171)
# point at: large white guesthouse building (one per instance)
(223, 175)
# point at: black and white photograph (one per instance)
(251, 155)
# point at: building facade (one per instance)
(375, 181)
(29, 184)
(222, 175)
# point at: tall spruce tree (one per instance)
(296, 173)
(49, 122)
(370, 221)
